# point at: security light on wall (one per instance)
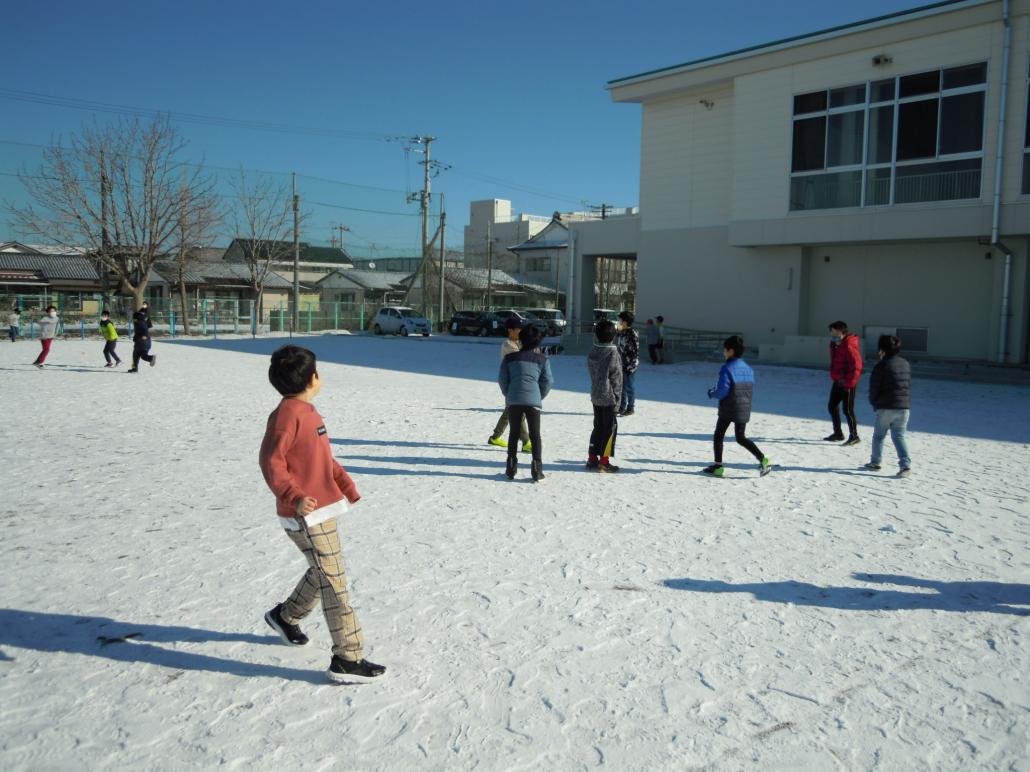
(881, 59)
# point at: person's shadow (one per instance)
(127, 642)
(993, 597)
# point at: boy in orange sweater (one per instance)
(311, 491)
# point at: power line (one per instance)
(199, 118)
(236, 169)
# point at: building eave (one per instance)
(947, 6)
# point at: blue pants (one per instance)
(629, 395)
(896, 422)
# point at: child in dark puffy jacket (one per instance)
(890, 394)
(525, 379)
(734, 392)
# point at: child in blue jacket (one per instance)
(525, 379)
(734, 392)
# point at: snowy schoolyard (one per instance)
(821, 617)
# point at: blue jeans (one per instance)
(629, 396)
(895, 421)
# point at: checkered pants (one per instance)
(325, 579)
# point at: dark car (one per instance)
(523, 317)
(481, 323)
(554, 318)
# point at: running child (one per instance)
(734, 391)
(47, 333)
(141, 341)
(110, 335)
(511, 344)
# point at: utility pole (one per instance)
(489, 269)
(423, 196)
(296, 255)
(105, 239)
(343, 228)
(443, 255)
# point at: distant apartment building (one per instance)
(861, 173)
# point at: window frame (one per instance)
(865, 167)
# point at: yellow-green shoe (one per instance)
(497, 441)
(527, 447)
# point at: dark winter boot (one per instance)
(537, 470)
(511, 467)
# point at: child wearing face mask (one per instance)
(47, 333)
(845, 372)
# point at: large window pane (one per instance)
(970, 75)
(810, 103)
(1026, 174)
(924, 83)
(878, 187)
(943, 181)
(962, 122)
(917, 130)
(882, 91)
(849, 95)
(826, 191)
(844, 139)
(809, 144)
(881, 134)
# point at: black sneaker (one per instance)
(132, 370)
(627, 412)
(291, 634)
(608, 468)
(905, 471)
(345, 671)
(511, 467)
(537, 470)
(853, 440)
(835, 437)
(153, 360)
(872, 467)
(593, 464)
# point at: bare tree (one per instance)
(199, 216)
(119, 190)
(263, 223)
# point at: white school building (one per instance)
(877, 173)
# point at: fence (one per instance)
(207, 316)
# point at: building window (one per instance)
(900, 140)
(538, 264)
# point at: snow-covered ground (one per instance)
(822, 617)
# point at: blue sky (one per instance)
(513, 92)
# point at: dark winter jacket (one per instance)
(629, 349)
(846, 361)
(734, 391)
(890, 385)
(141, 332)
(605, 367)
(525, 378)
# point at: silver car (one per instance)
(399, 320)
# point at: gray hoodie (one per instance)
(605, 367)
(48, 327)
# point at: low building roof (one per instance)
(367, 280)
(52, 267)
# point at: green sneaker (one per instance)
(715, 470)
(527, 447)
(497, 441)
(765, 467)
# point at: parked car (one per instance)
(554, 318)
(400, 320)
(480, 323)
(525, 318)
